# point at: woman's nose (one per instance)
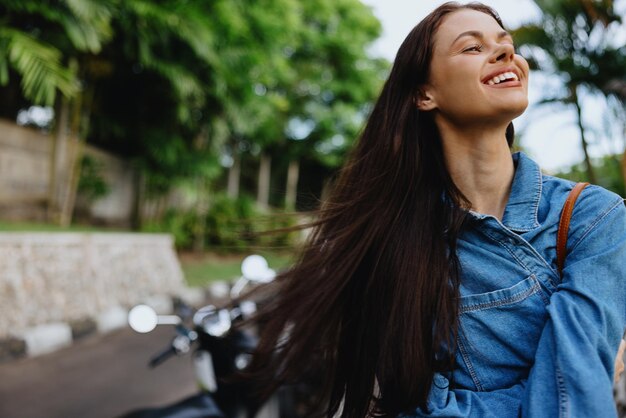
(503, 52)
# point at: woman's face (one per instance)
(471, 54)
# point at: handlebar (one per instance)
(162, 356)
(179, 345)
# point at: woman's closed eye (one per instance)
(476, 48)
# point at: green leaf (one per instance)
(39, 65)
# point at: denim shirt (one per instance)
(532, 343)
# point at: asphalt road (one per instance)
(101, 376)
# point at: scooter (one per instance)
(218, 350)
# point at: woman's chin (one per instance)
(511, 110)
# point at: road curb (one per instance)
(47, 338)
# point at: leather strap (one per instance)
(566, 216)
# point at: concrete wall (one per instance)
(60, 277)
(24, 171)
(117, 206)
(25, 158)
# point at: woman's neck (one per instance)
(480, 164)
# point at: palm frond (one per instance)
(39, 66)
(534, 35)
(4, 62)
(185, 26)
(186, 85)
(88, 25)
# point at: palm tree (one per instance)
(38, 64)
(155, 95)
(573, 40)
(615, 86)
(73, 30)
(70, 27)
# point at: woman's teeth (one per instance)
(504, 76)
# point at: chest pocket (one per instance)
(498, 335)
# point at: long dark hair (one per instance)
(373, 298)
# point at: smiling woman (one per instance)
(430, 283)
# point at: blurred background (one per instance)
(203, 121)
(184, 116)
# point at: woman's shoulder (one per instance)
(556, 188)
(594, 204)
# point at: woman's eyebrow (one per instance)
(478, 34)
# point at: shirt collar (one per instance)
(520, 214)
(521, 210)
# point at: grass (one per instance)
(202, 269)
(43, 227)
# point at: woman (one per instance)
(429, 285)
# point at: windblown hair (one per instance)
(373, 298)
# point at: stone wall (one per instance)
(63, 277)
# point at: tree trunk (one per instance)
(81, 112)
(201, 208)
(67, 208)
(590, 173)
(292, 184)
(233, 177)
(58, 159)
(136, 217)
(263, 192)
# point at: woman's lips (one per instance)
(505, 84)
(507, 72)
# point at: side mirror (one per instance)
(143, 319)
(255, 268)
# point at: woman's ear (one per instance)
(424, 100)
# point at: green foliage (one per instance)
(38, 40)
(236, 224)
(39, 65)
(177, 83)
(230, 225)
(575, 40)
(178, 223)
(338, 80)
(608, 172)
(91, 184)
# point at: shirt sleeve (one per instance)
(573, 371)
(461, 403)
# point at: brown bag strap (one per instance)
(566, 216)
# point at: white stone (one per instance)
(111, 319)
(46, 338)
